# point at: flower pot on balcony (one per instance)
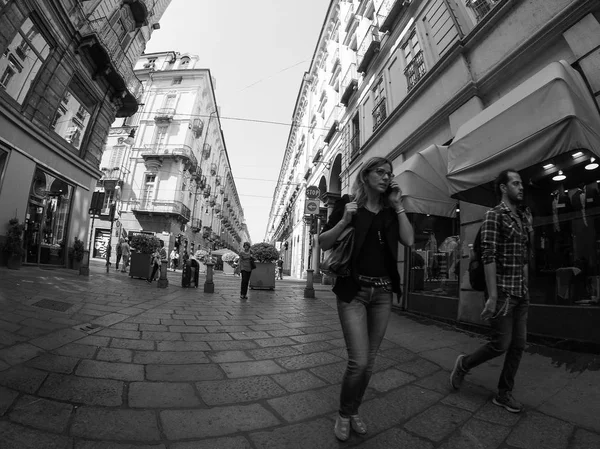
(263, 276)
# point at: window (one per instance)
(177, 80)
(116, 156)
(415, 64)
(380, 111)
(148, 193)
(185, 62)
(108, 199)
(354, 137)
(22, 60)
(151, 64)
(480, 8)
(71, 119)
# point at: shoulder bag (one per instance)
(337, 259)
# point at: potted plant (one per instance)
(229, 262)
(263, 276)
(13, 246)
(76, 253)
(142, 246)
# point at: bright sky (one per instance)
(257, 51)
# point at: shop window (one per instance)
(22, 60)
(435, 256)
(71, 119)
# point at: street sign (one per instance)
(312, 202)
(312, 192)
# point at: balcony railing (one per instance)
(206, 149)
(164, 115)
(196, 224)
(175, 151)
(481, 7)
(162, 207)
(354, 145)
(197, 127)
(349, 84)
(213, 169)
(349, 19)
(368, 48)
(388, 12)
(139, 11)
(379, 113)
(415, 70)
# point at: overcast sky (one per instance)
(257, 51)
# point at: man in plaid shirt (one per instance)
(504, 237)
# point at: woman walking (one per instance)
(364, 298)
(245, 264)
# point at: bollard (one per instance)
(309, 291)
(163, 282)
(209, 285)
(84, 269)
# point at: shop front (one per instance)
(548, 129)
(434, 260)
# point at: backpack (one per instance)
(476, 271)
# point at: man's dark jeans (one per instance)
(364, 322)
(509, 334)
(245, 282)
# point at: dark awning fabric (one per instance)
(549, 114)
(422, 178)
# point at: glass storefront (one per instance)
(47, 217)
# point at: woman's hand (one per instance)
(395, 196)
(349, 211)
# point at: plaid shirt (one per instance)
(504, 241)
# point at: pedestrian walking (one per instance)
(280, 269)
(173, 259)
(119, 253)
(125, 254)
(245, 264)
(504, 238)
(364, 298)
(159, 256)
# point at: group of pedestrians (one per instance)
(124, 254)
(364, 297)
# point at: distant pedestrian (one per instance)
(280, 269)
(159, 256)
(119, 253)
(504, 242)
(173, 258)
(245, 269)
(126, 254)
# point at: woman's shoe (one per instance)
(342, 428)
(358, 425)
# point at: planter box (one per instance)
(227, 269)
(140, 265)
(263, 277)
(13, 262)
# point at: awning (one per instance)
(422, 178)
(549, 114)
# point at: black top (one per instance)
(373, 253)
(346, 287)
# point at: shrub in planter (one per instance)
(263, 276)
(13, 247)
(143, 246)
(76, 253)
(230, 258)
(264, 252)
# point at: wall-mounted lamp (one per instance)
(559, 177)
(592, 165)
(130, 140)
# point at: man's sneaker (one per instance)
(458, 373)
(507, 401)
(342, 428)
(358, 425)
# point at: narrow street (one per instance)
(112, 362)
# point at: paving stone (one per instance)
(116, 333)
(232, 345)
(19, 353)
(238, 390)
(285, 332)
(275, 341)
(110, 319)
(437, 422)
(273, 353)
(94, 340)
(477, 434)
(418, 367)
(268, 327)
(537, 430)
(83, 390)
(22, 378)
(307, 360)
(332, 373)
(115, 355)
(141, 345)
(400, 355)
(316, 434)
(497, 415)
(115, 424)
(249, 335)
(228, 329)
(470, 397)
(184, 373)
(15, 436)
(439, 381)
(153, 327)
(304, 405)
(228, 356)
(169, 358)
(41, 413)
(76, 350)
(102, 445)
(317, 346)
(54, 363)
(585, 440)
(161, 336)
(11, 338)
(207, 337)
(161, 395)
(126, 326)
(142, 320)
(298, 381)
(215, 443)
(108, 370)
(216, 421)
(252, 368)
(396, 438)
(7, 397)
(182, 346)
(389, 379)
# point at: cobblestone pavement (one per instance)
(113, 362)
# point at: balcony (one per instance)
(197, 127)
(101, 43)
(331, 124)
(415, 70)
(354, 146)
(388, 12)
(162, 151)
(197, 174)
(318, 156)
(350, 17)
(139, 11)
(368, 49)
(206, 193)
(206, 149)
(167, 208)
(218, 180)
(196, 225)
(164, 115)
(202, 184)
(213, 169)
(481, 7)
(379, 113)
(349, 84)
(112, 177)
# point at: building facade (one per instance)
(66, 72)
(417, 82)
(166, 168)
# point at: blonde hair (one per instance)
(360, 183)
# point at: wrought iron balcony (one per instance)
(368, 48)
(218, 180)
(139, 11)
(415, 70)
(196, 225)
(388, 12)
(481, 7)
(206, 192)
(101, 42)
(206, 149)
(114, 175)
(349, 84)
(331, 124)
(379, 113)
(197, 127)
(164, 115)
(202, 182)
(213, 169)
(175, 208)
(197, 174)
(163, 151)
(349, 19)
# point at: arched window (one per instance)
(185, 62)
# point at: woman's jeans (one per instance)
(364, 322)
(509, 334)
(245, 282)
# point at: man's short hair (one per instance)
(502, 178)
